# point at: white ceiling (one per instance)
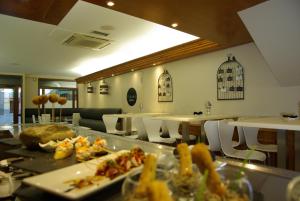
(36, 48)
(275, 28)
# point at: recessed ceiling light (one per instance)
(112, 75)
(153, 64)
(132, 70)
(110, 3)
(174, 25)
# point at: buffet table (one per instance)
(268, 183)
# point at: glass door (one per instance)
(10, 105)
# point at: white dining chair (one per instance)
(152, 127)
(212, 133)
(33, 119)
(252, 142)
(225, 134)
(110, 123)
(172, 127)
(46, 118)
(241, 137)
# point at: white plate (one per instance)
(55, 181)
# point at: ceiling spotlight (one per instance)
(153, 64)
(174, 25)
(112, 75)
(132, 70)
(110, 3)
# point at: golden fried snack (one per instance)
(147, 175)
(53, 98)
(202, 158)
(185, 160)
(158, 191)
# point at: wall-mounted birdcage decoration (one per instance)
(230, 80)
(165, 87)
(103, 88)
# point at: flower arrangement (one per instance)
(43, 100)
(62, 101)
(36, 101)
(53, 98)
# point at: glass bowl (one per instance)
(185, 187)
(132, 180)
(236, 183)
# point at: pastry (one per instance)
(82, 142)
(63, 150)
(32, 136)
(83, 153)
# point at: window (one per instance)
(62, 88)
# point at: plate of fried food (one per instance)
(80, 146)
(82, 179)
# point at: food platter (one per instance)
(60, 185)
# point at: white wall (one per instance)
(194, 81)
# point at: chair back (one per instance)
(173, 127)
(110, 123)
(241, 135)
(33, 119)
(212, 134)
(45, 119)
(152, 127)
(251, 136)
(138, 124)
(225, 135)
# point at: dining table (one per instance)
(127, 119)
(285, 139)
(268, 183)
(186, 120)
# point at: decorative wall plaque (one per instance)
(90, 88)
(165, 87)
(103, 88)
(131, 96)
(230, 80)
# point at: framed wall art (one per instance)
(165, 87)
(230, 80)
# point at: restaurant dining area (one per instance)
(149, 100)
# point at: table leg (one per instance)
(185, 132)
(297, 150)
(202, 132)
(281, 155)
(128, 125)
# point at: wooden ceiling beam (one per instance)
(171, 54)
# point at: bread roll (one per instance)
(34, 135)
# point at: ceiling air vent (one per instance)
(85, 41)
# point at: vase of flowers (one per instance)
(36, 101)
(53, 98)
(43, 100)
(62, 101)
